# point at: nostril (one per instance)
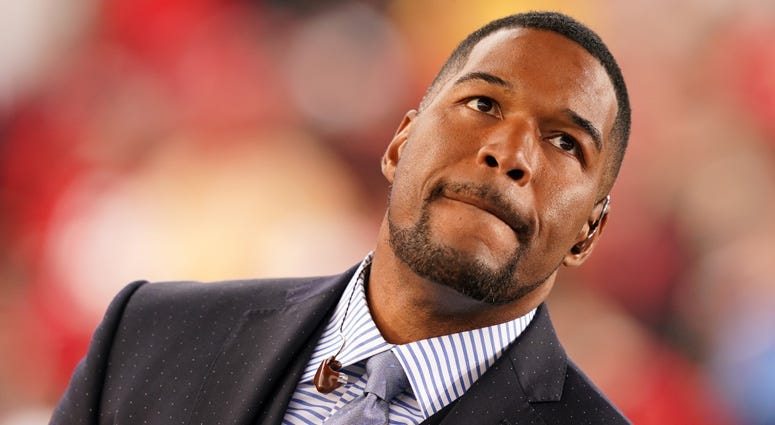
(516, 174)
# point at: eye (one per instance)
(484, 104)
(567, 143)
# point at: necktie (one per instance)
(386, 380)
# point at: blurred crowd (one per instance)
(217, 139)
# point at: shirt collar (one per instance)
(440, 369)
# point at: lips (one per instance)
(487, 200)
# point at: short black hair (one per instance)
(569, 28)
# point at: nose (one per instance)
(511, 152)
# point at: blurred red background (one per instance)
(216, 139)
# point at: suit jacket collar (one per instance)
(261, 362)
(539, 360)
(532, 370)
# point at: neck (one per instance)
(408, 308)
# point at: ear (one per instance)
(588, 235)
(396, 146)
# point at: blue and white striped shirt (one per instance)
(440, 369)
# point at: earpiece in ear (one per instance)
(576, 249)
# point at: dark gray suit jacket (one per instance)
(233, 352)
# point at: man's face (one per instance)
(497, 178)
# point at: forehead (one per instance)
(548, 70)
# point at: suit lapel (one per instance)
(531, 370)
(256, 372)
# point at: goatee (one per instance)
(416, 247)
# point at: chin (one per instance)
(458, 269)
(464, 264)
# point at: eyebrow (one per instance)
(587, 126)
(483, 76)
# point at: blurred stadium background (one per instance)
(215, 139)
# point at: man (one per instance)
(500, 177)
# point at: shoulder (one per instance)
(152, 313)
(268, 293)
(251, 293)
(149, 303)
(171, 334)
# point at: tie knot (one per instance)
(386, 376)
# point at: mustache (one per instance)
(487, 199)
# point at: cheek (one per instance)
(407, 190)
(561, 219)
(564, 216)
(444, 136)
(429, 150)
